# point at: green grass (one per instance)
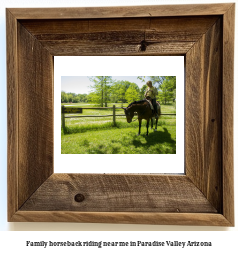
(94, 135)
(121, 141)
(80, 128)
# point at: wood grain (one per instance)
(227, 113)
(77, 49)
(189, 26)
(119, 36)
(12, 116)
(197, 219)
(204, 115)
(35, 101)
(114, 193)
(121, 11)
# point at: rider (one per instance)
(151, 92)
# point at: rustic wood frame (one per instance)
(204, 34)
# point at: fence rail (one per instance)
(74, 109)
(111, 115)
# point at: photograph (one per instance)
(118, 115)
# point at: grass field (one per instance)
(94, 135)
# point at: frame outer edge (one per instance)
(12, 96)
(121, 11)
(12, 114)
(189, 219)
(227, 114)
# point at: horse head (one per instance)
(129, 114)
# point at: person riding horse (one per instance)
(150, 94)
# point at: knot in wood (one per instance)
(79, 198)
(143, 45)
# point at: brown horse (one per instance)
(144, 112)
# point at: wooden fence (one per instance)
(75, 110)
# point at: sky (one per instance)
(81, 84)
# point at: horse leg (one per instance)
(151, 123)
(156, 123)
(147, 126)
(159, 112)
(139, 127)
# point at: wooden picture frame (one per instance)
(204, 34)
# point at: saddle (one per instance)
(150, 103)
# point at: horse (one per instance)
(144, 111)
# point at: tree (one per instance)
(83, 97)
(107, 89)
(101, 89)
(118, 90)
(76, 99)
(73, 97)
(94, 97)
(70, 96)
(64, 97)
(142, 78)
(121, 93)
(132, 94)
(172, 79)
(142, 91)
(166, 90)
(134, 85)
(156, 80)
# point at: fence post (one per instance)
(114, 115)
(63, 117)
